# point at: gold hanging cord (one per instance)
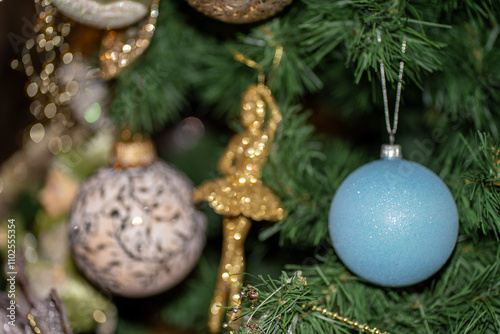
(278, 55)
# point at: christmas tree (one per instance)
(327, 74)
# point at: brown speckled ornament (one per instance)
(133, 228)
(239, 11)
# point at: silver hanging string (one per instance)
(392, 130)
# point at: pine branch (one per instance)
(469, 166)
(184, 58)
(154, 90)
(223, 78)
(468, 87)
(482, 186)
(305, 180)
(463, 297)
(357, 26)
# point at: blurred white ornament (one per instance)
(134, 230)
(104, 14)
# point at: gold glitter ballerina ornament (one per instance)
(240, 196)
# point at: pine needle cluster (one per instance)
(332, 53)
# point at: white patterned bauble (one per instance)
(135, 231)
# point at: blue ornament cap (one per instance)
(393, 222)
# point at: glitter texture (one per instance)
(240, 194)
(237, 11)
(393, 222)
(119, 49)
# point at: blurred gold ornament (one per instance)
(119, 48)
(58, 193)
(240, 195)
(128, 28)
(59, 78)
(239, 11)
(50, 87)
(104, 14)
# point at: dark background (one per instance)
(15, 28)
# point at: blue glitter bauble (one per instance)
(393, 222)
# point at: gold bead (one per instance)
(253, 295)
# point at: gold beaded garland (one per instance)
(334, 315)
(33, 323)
(253, 295)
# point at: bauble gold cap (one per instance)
(138, 152)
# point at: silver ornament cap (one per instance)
(391, 152)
